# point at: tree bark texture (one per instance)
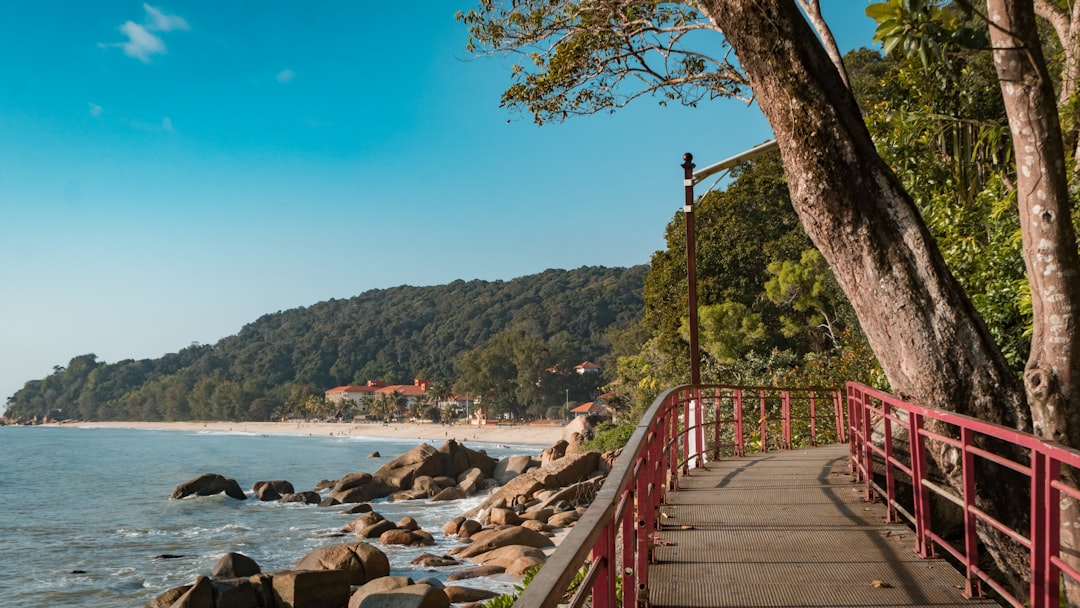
(1049, 242)
(931, 344)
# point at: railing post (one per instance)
(973, 586)
(627, 523)
(1045, 508)
(687, 426)
(603, 553)
(839, 405)
(739, 448)
(890, 476)
(813, 421)
(868, 451)
(699, 428)
(719, 398)
(921, 495)
(672, 441)
(785, 420)
(764, 444)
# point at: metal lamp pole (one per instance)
(691, 267)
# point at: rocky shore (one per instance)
(530, 501)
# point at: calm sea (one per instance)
(85, 513)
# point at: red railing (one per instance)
(891, 444)
(683, 427)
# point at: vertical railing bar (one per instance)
(972, 587)
(740, 445)
(719, 397)
(761, 422)
(813, 421)
(890, 473)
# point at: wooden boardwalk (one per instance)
(789, 528)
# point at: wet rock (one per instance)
(234, 565)
(376, 529)
(209, 484)
(453, 493)
(308, 498)
(430, 560)
(272, 490)
(478, 571)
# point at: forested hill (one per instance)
(392, 334)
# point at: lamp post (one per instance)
(693, 414)
(690, 179)
(691, 267)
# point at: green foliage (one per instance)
(590, 56)
(274, 364)
(944, 130)
(729, 330)
(924, 29)
(507, 600)
(608, 436)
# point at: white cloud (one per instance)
(160, 22)
(95, 110)
(285, 75)
(166, 123)
(141, 43)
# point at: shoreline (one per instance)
(435, 434)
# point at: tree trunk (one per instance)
(930, 342)
(1049, 243)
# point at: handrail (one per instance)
(669, 439)
(890, 442)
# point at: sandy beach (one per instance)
(434, 434)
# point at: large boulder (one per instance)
(245, 592)
(321, 588)
(309, 497)
(461, 595)
(359, 487)
(209, 484)
(505, 556)
(412, 596)
(476, 572)
(379, 585)
(400, 472)
(272, 490)
(555, 452)
(376, 529)
(362, 562)
(234, 565)
(454, 493)
(471, 481)
(430, 560)
(199, 595)
(510, 467)
(457, 459)
(487, 540)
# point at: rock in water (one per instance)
(235, 565)
(209, 484)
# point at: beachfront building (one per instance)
(356, 394)
(587, 367)
(592, 408)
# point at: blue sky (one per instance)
(171, 171)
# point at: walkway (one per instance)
(789, 528)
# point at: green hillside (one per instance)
(391, 334)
